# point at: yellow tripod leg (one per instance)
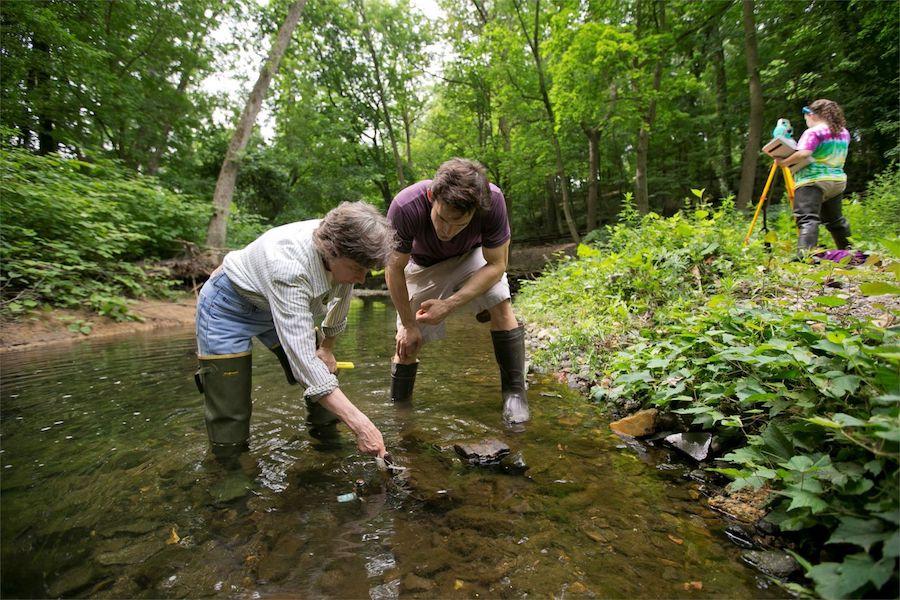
(789, 184)
(762, 199)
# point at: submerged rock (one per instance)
(640, 424)
(514, 464)
(485, 452)
(414, 583)
(771, 562)
(695, 445)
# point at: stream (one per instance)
(107, 490)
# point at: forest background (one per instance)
(111, 145)
(596, 117)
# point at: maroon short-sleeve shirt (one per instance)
(410, 214)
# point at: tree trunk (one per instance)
(550, 221)
(641, 191)
(751, 150)
(382, 93)
(723, 165)
(533, 42)
(593, 135)
(38, 79)
(216, 232)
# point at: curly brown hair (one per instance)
(831, 113)
(463, 184)
(356, 230)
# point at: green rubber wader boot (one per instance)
(279, 352)
(321, 422)
(509, 350)
(403, 380)
(225, 383)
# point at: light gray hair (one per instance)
(356, 230)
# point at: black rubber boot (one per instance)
(285, 364)
(509, 350)
(225, 383)
(403, 380)
(807, 204)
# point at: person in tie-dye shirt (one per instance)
(820, 184)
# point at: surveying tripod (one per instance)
(789, 184)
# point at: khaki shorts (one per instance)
(444, 279)
(830, 189)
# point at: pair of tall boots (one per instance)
(509, 350)
(225, 384)
(809, 212)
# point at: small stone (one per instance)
(486, 452)
(578, 588)
(771, 562)
(131, 554)
(640, 424)
(695, 445)
(739, 536)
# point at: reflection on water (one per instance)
(107, 490)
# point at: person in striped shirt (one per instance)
(820, 184)
(274, 289)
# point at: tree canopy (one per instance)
(569, 104)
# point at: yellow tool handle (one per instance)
(345, 364)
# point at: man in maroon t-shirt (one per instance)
(456, 231)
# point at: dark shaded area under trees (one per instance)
(644, 96)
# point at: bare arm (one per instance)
(409, 338)
(433, 312)
(794, 158)
(396, 282)
(368, 438)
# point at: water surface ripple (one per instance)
(107, 490)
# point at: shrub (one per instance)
(71, 229)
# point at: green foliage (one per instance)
(72, 231)
(875, 216)
(677, 315)
(646, 266)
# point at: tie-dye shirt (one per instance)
(828, 155)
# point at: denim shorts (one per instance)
(227, 322)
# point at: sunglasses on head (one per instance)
(807, 111)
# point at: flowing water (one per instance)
(107, 489)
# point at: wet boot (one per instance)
(807, 240)
(403, 380)
(279, 352)
(321, 422)
(840, 231)
(225, 383)
(509, 350)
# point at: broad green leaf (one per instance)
(848, 421)
(878, 288)
(839, 580)
(823, 422)
(830, 300)
(861, 532)
(803, 499)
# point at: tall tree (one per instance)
(754, 136)
(533, 39)
(218, 223)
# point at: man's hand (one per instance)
(327, 357)
(409, 339)
(433, 312)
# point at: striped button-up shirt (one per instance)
(281, 271)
